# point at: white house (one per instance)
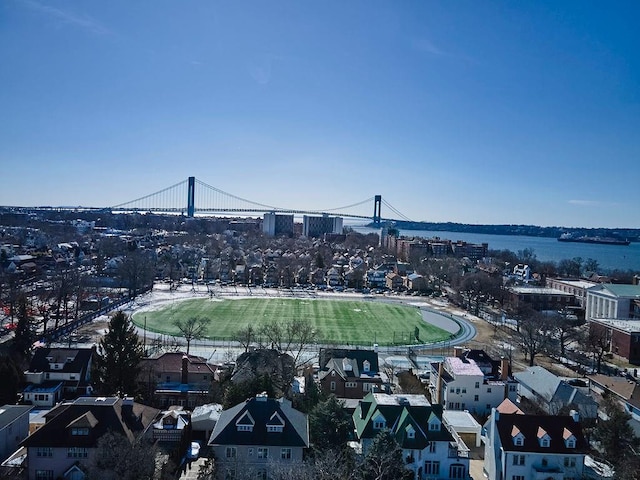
(459, 383)
(527, 447)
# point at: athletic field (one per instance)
(335, 321)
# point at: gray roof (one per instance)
(550, 387)
(9, 413)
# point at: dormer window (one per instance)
(543, 437)
(245, 423)
(275, 423)
(569, 438)
(518, 437)
(366, 366)
(379, 422)
(434, 423)
(411, 433)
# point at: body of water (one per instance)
(609, 257)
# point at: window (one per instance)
(545, 462)
(544, 442)
(452, 390)
(432, 467)
(333, 386)
(476, 398)
(351, 385)
(517, 477)
(517, 441)
(488, 389)
(285, 454)
(261, 474)
(230, 452)
(80, 431)
(569, 462)
(77, 452)
(366, 387)
(378, 424)
(477, 385)
(431, 447)
(44, 474)
(263, 452)
(518, 459)
(245, 428)
(44, 452)
(513, 388)
(434, 427)
(274, 428)
(457, 390)
(457, 471)
(464, 390)
(571, 442)
(411, 433)
(250, 452)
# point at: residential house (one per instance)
(627, 391)
(522, 447)
(349, 373)
(55, 374)
(175, 378)
(429, 449)
(68, 439)
(172, 426)
(14, 428)
(553, 394)
(258, 433)
(415, 282)
(471, 381)
(394, 281)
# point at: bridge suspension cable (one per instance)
(173, 195)
(368, 200)
(396, 211)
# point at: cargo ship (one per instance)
(568, 237)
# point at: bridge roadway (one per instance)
(436, 312)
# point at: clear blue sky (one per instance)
(463, 111)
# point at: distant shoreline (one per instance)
(631, 234)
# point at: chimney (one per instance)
(185, 370)
(575, 415)
(458, 351)
(504, 368)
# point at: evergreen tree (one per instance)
(119, 355)
(329, 425)
(384, 460)
(24, 333)
(10, 378)
(615, 436)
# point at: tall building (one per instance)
(275, 224)
(316, 226)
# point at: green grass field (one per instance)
(335, 321)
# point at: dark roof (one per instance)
(400, 412)
(358, 355)
(9, 413)
(263, 411)
(172, 362)
(100, 414)
(532, 425)
(73, 360)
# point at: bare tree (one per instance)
(192, 328)
(246, 336)
(598, 343)
(533, 334)
(292, 337)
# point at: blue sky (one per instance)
(464, 111)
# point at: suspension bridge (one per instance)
(192, 196)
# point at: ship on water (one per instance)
(569, 237)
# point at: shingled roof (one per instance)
(259, 412)
(99, 414)
(532, 427)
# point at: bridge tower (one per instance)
(377, 204)
(191, 197)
